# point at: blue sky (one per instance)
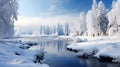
(46, 12)
(46, 8)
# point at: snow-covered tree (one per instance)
(81, 23)
(66, 29)
(94, 7)
(92, 26)
(101, 18)
(73, 28)
(60, 29)
(114, 18)
(41, 29)
(8, 14)
(79, 26)
(54, 30)
(96, 19)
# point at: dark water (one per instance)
(58, 56)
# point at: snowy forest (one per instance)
(93, 40)
(98, 21)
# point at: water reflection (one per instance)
(55, 47)
(92, 62)
(58, 56)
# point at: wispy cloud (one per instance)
(37, 21)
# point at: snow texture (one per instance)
(104, 46)
(11, 55)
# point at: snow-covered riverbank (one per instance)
(104, 48)
(14, 54)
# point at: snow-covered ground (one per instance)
(13, 54)
(107, 47)
(21, 53)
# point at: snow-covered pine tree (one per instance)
(101, 18)
(8, 14)
(114, 18)
(60, 29)
(81, 23)
(96, 19)
(66, 29)
(92, 26)
(90, 19)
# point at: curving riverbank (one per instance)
(103, 48)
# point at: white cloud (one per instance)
(37, 21)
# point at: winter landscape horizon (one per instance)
(59, 33)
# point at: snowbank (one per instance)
(11, 55)
(98, 47)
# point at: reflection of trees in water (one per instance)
(61, 45)
(57, 45)
(92, 62)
